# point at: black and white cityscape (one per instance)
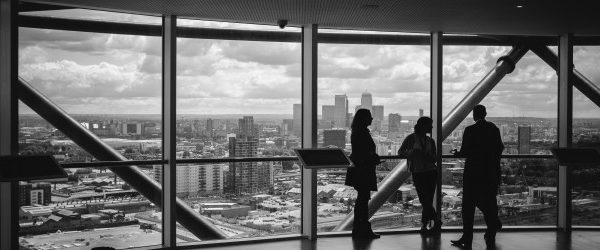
(240, 99)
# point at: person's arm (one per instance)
(499, 144)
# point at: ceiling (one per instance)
(534, 17)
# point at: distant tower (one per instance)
(394, 121)
(366, 101)
(524, 140)
(297, 126)
(420, 112)
(246, 126)
(328, 112)
(341, 111)
(377, 113)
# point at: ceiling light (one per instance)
(519, 6)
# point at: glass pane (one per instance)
(526, 197)
(92, 208)
(522, 105)
(110, 84)
(239, 99)
(391, 81)
(586, 133)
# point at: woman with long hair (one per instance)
(362, 175)
(419, 150)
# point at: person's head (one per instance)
(424, 125)
(362, 119)
(479, 112)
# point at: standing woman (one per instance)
(362, 175)
(419, 149)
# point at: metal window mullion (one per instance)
(9, 130)
(565, 128)
(169, 42)
(436, 109)
(309, 128)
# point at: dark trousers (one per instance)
(484, 198)
(361, 225)
(425, 185)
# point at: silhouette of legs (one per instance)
(362, 227)
(425, 185)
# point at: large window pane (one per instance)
(108, 84)
(239, 99)
(586, 133)
(523, 105)
(393, 83)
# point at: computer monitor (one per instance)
(323, 158)
(26, 168)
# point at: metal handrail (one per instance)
(249, 159)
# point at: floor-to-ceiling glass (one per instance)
(106, 83)
(239, 99)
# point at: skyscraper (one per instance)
(341, 111)
(377, 111)
(524, 140)
(394, 123)
(210, 124)
(420, 112)
(245, 177)
(327, 112)
(334, 137)
(246, 126)
(297, 126)
(366, 101)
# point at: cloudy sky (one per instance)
(90, 73)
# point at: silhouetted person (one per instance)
(419, 149)
(482, 147)
(362, 175)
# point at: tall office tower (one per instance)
(366, 101)
(266, 176)
(246, 126)
(211, 178)
(327, 112)
(394, 123)
(210, 125)
(377, 111)
(243, 176)
(420, 112)
(340, 114)
(297, 127)
(287, 126)
(334, 137)
(524, 140)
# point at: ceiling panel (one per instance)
(535, 17)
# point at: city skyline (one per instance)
(100, 73)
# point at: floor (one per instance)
(543, 240)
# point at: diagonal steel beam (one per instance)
(399, 174)
(198, 225)
(587, 87)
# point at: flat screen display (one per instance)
(323, 158)
(24, 168)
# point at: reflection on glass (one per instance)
(92, 208)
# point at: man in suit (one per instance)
(482, 147)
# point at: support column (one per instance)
(565, 128)
(436, 110)
(309, 128)
(169, 54)
(9, 130)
